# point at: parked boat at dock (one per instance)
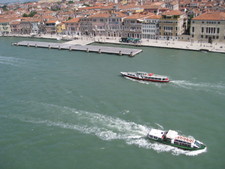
(146, 76)
(172, 138)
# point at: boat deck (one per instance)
(86, 48)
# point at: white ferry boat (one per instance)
(145, 76)
(172, 138)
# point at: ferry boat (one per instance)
(172, 138)
(145, 76)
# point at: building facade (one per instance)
(4, 26)
(132, 26)
(72, 26)
(150, 27)
(172, 24)
(208, 27)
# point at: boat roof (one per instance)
(172, 134)
(156, 132)
(152, 74)
(186, 139)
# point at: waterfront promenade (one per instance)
(172, 44)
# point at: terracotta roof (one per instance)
(100, 15)
(24, 19)
(4, 20)
(15, 23)
(153, 17)
(140, 16)
(211, 16)
(72, 20)
(153, 5)
(136, 16)
(130, 6)
(120, 14)
(173, 12)
(51, 21)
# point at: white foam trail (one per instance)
(105, 128)
(12, 61)
(160, 126)
(218, 88)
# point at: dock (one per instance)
(77, 47)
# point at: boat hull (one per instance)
(144, 79)
(178, 146)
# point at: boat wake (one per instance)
(12, 61)
(104, 127)
(218, 88)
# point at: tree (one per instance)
(70, 2)
(25, 15)
(31, 14)
(5, 8)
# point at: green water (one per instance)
(62, 109)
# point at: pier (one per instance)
(76, 47)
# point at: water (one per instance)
(62, 109)
(17, 1)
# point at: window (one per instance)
(193, 29)
(202, 30)
(218, 30)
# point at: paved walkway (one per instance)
(173, 44)
(214, 47)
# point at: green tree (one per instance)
(5, 8)
(25, 15)
(70, 2)
(31, 14)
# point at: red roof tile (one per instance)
(173, 12)
(211, 16)
(74, 20)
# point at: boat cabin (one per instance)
(156, 134)
(171, 137)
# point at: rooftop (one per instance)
(211, 16)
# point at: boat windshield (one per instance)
(197, 144)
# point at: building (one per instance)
(15, 27)
(72, 26)
(132, 25)
(172, 24)
(5, 26)
(25, 27)
(51, 26)
(102, 24)
(208, 27)
(150, 27)
(60, 28)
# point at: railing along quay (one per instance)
(86, 48)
